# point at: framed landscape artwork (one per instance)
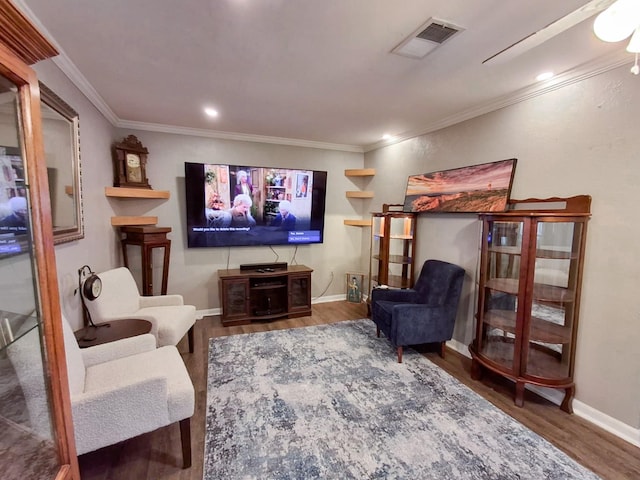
(473, 189)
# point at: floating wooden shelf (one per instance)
(120, 221)
(136, 193)
(358, 223)
(360, 172)
(360, 194)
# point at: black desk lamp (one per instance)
(90, 287)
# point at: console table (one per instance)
(261, 295)
(148, 238)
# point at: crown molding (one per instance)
(578, 74)
(582, 72)
(68, 68)
(241, 137)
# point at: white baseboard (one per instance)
(581, 409)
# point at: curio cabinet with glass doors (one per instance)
(529, 282)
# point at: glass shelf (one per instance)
(13, 327)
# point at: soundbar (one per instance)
(267, 267)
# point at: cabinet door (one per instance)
(548, 350)
(30, 442)
(500, 321)
(300, 293)
(235, 298)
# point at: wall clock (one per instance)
(129, 164)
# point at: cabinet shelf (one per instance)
(14, 326)
(541, 291)
(541, 330)
(540, 253)
(400, 259)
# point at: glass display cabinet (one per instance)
(529, 283)
(393, 243)
(35, 414)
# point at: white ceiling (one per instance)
(305, 70)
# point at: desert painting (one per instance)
(474, 189)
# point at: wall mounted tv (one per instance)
(473, 189)
(240, 205)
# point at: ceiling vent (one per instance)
(427, 38)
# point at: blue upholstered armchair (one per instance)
(425, 313)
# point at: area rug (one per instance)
(331, 402)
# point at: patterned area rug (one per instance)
(331, 402)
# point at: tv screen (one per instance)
(239, 205)
(474, 189)
(14, 238)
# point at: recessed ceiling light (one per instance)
(386, 136)
(212, 112)
(544, 76)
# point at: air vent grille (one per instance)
(427, 38)
(436, 32)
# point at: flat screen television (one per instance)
(474, 189)
(240, 205)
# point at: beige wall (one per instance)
(193, 271)
(580, 139)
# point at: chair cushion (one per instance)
(75, 362)
(163, 362)
(170, 322)
(120, 295)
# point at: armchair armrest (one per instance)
(393, 295)
(98, 415)
(118, 349)
(161, 301)
(419, 323)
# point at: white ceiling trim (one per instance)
(242, 137)
(578, 74)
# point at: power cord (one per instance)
(327, 288)
(293, 259)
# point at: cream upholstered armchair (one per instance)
(120, 299)
(122, 389)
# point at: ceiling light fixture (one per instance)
(619, 21)
(212, 112)
(544, 76)
(386, 136)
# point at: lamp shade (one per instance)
(634, 44)
(618, 21)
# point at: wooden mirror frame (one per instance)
(74, 230)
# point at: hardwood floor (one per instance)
(157, 455)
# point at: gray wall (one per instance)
(580, 139)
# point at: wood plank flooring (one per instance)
(157, 455)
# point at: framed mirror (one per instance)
(61, 135)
